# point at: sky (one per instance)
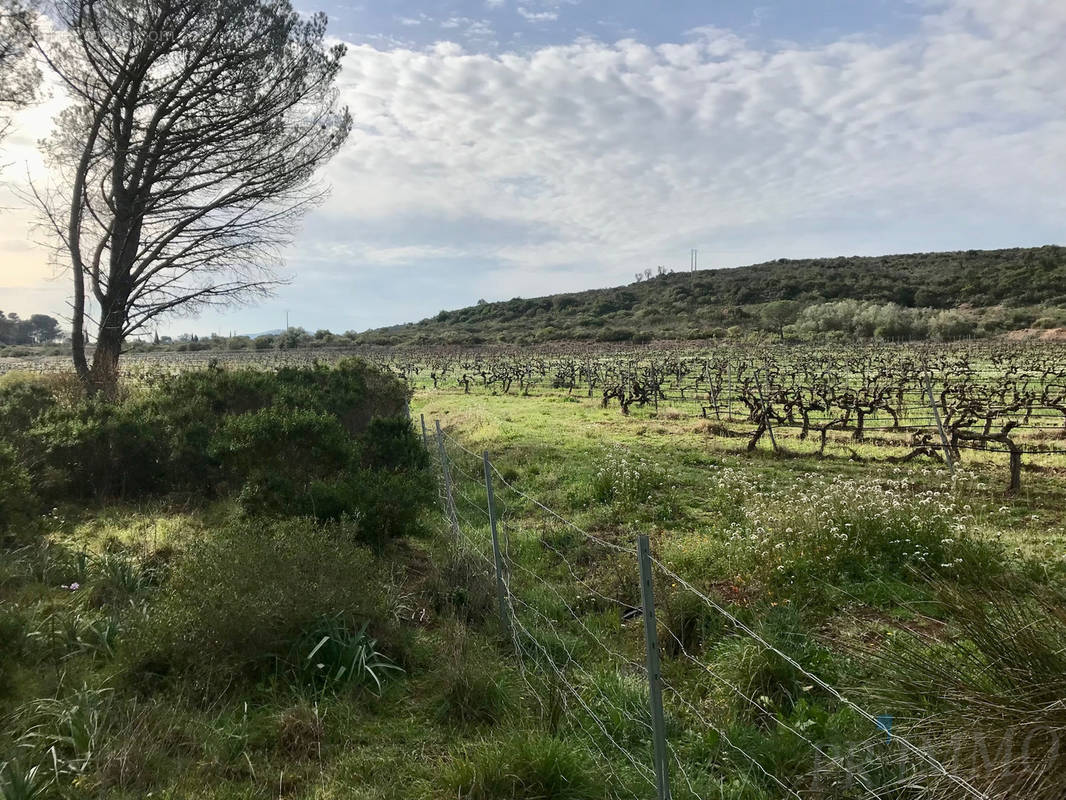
(507, 148)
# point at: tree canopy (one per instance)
(187, 156)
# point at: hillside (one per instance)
(976, 292)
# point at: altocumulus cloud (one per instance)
(502, 173)
(616, 154)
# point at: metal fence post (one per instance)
(449, 501)
(655, 678)
(497, 554)
(425, 438)
(939, 424)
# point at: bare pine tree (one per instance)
(187, 155)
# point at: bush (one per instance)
(18, 503)
(243, 599)
(525, 765)
(188, 432)
(376, 506)
(293, 445)
(98, 448)
(392, 444)
(22, 402)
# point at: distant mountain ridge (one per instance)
(1018, 282)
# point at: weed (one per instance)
(472, 690)
(69, 728)
(525, 765)
(330, 655)
(19, 782)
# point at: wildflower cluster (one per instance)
(836, 529)
(626, 479)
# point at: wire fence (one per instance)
(590, 657)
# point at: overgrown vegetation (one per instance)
(260, 601)
(924, 295)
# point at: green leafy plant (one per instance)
(70, 728)
(337, 657)
(19, 782)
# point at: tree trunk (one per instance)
(103, 377)
(77, 327)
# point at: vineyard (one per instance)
(1000, 402)
(854, 593)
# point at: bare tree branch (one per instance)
(188, 155)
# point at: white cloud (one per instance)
(571, 166)
(537, 16)
(624, 152)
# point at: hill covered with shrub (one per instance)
(921, 295)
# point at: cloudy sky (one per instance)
(510, 148)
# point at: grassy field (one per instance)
(767, 535)
(876, 577)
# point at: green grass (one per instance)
(564, 714)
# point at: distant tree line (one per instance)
(38, 329)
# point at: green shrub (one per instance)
(18, 503)
(353, 390)
(244, 598)
(391, 444)
(99, 448)
(294, 445)
(525, 765)
(185, 432)
(22, 402)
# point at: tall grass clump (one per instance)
(472, 689)
(532, 765)
(985, 693)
